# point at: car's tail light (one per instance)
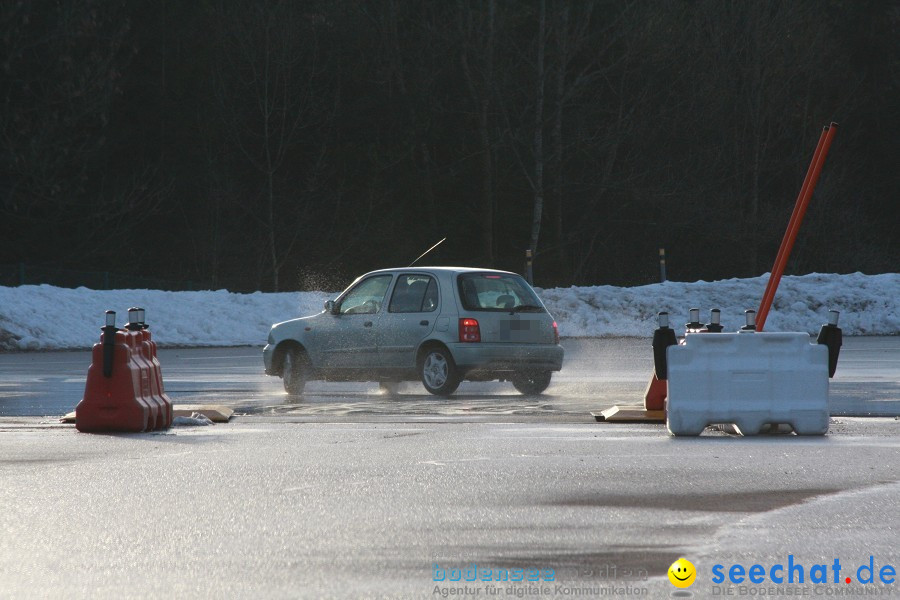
(469, 331)
(555, 333)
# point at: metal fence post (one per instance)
(529, 274)
(662, 265)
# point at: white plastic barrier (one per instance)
(748, 379)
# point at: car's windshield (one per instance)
(497, 292)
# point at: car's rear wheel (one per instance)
(438, 372)
(294, 371)
(532, 383)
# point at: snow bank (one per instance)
(45, 317)
(869, 304)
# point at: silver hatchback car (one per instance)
(440, 325)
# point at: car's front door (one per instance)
(346, 340)
(408, 320)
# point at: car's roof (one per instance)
(447, 269)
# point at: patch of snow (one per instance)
(869, 304)
(196, 419)
(44, 317)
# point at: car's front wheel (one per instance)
(532, 383)
(438, 372)
(294, 371)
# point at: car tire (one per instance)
(294, 371)
(438, 372)
(532, 383)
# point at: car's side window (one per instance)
(366, 297)
(429, 304)
(414, 293)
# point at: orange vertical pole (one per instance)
(769, 294)
(790, 235)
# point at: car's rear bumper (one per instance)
(268, 353)
(507, 356)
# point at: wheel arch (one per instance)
(281, 349)
(427, 345)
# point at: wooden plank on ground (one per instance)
(630, 414)
(215, 413)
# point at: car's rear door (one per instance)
(411, 311)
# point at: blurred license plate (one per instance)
(516, 330)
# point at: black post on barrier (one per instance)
(750, 320)
(694, 325)
(715, 321)
(830, 336)
(662, 265)
(133, 324)
(109, 342)
(663, 337)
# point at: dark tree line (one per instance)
(262, 144)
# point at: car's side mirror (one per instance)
(329, 307)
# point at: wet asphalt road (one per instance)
(597, 374)
(353, 494)
(268, 508)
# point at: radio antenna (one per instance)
(426, 252)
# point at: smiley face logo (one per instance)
(682, 573)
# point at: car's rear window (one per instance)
(497, 292)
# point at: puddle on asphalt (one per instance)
(763, 501)
(408, 405)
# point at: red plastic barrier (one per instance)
(162, 389)
(114, 403)
(157, 407)
(156, 381)
(655, 394)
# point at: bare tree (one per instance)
(61, 69)
(268, 73)
(579, 59)
(537, 182)
(477, 59)
(755, 58)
